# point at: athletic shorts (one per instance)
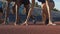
(43, 1)
(25, 2)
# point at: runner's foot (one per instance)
(25, 23)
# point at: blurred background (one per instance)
(55, 13)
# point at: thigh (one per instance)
(44, 8)
(18, 3)
(51, 5)
(27, 6)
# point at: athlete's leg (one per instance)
(50, 6)
(17, 5)
(44, 12)
(30, 11)
(1, 14)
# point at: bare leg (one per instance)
(17, 13)
(6, 13)
(27, 10)
(43, 17)
(49, 7)
(30, 11)
(29, 14)
(44, 13)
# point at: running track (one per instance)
(31, 29)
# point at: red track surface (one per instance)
(31, 29)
